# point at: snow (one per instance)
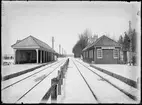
(105, 92)
(15, 79)
(76, 90)
(40, 90)
(118, 83)
(130, 72)
(12, 94)
(10, 69)
(7, 70)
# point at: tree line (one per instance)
(129, 38)
(81, 43)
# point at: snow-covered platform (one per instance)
(75, 90)
(124, 70)
(130, 72)
(11, 69)
(19, 69)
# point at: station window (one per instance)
(115, 53)
(99, 53)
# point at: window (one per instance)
(99, 53)
(115, 53)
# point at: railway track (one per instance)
(16, 91)
(90, 76)
(87, 83)
(20, 80)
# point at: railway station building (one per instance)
(102, 51)
(32, 50)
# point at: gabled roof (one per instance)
(32, 42)
(103, 41)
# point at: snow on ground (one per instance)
(16, 91)
(76, 90)
(36, 94)
(15, 79)
(6, 70)
(10, 69)
(105, 92)
(8, 60)
(118, 83)
(130, 72)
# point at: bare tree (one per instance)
(82, 42)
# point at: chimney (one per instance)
(130, 28)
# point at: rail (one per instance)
(56, 83)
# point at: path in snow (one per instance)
(76, 90)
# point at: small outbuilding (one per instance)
(32, 50)
(103, 51)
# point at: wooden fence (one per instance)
(56, 83)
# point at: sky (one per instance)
(64, 21)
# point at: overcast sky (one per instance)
(64, 21)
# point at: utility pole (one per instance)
(130, 36)
(59, 49)
(53, 43)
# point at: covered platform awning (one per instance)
(32, 50)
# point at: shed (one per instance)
(32, 50)
(103, 51)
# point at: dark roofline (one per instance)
(20, 41)
(90, 45)
(42, 42)
(36, 43)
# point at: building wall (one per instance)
(107, 57)
(87, 57)
(25, 56)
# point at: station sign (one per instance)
(108, 47)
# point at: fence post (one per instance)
(62, 72)
(54, 90)
(61, 77)
(59, 83)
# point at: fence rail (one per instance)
(55, 88)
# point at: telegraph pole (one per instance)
(130, 36)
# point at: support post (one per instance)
(45, 57)
(36, 55)
(59, 83)
(15, 56)
(40, 56)
(54, 90)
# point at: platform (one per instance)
(11, 69)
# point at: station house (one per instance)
(32, 50)
(103, 51)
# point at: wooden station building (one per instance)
(32, 50)
(103, 51)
